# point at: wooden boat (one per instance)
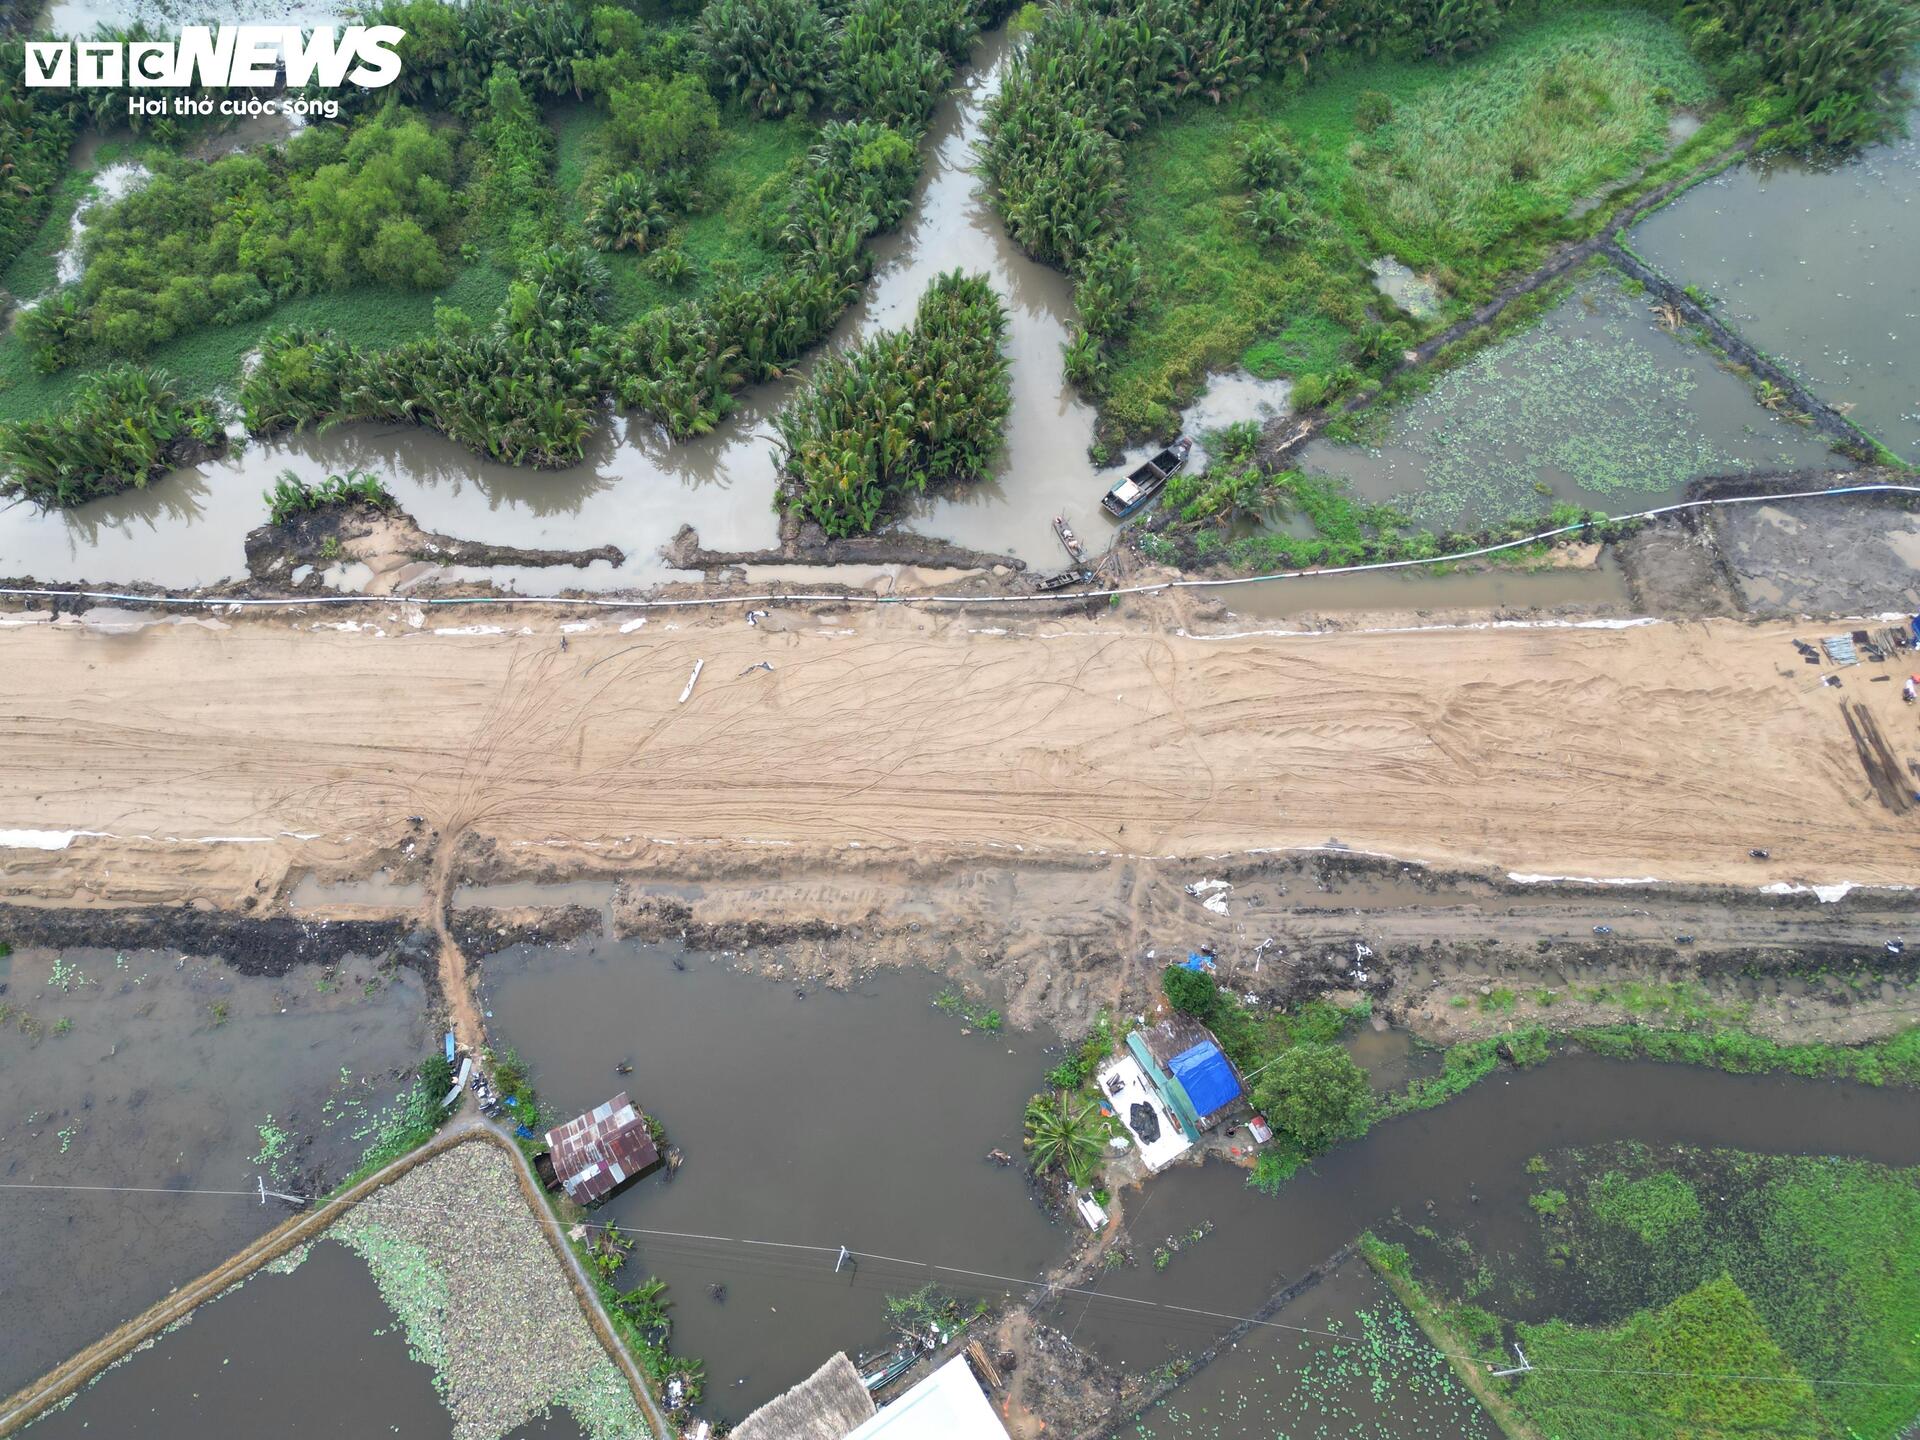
(1065, 579)
(1144, 481)
(1076, 551)
(880, 1370)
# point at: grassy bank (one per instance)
(1470, 175)
(729, 237)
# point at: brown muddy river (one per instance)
(308, 1354)
(135, 1069)
(861, 1119)
(1459, 1168)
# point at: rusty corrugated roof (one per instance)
(596, 1153)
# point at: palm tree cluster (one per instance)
(450, 50)
(680, 365)
(905, 408)
(33, 152)
(775, 55)
(886, 60)
(1834, 70)
(291, 496)
(896, 56)
(527, 390)
(633, 210)
(120, 429)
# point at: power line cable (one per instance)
(1091, 1292)
(694, 602)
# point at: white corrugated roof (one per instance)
(948, 1405)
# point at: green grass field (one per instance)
(1473, 175)
(754, 154)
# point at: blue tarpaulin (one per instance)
(1197, 961)
(1203, 1072)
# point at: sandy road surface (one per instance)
(1660, 750)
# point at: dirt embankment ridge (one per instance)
(185, 763)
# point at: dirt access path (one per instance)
(204, 764)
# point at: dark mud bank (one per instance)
(266, 945)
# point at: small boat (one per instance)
(1064, 579)
(880, 1370)
(1144, 481)
(1076, 552)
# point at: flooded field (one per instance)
(149, 1070)
(1595, 405)
(1815, 267)
(269, 1358)
(1379, 1380)
(1460, 1168)
(861, 1119)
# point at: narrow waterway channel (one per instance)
(861, 1118)
(1459, 1168)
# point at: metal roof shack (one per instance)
(594, 1154)
(1176, 1052)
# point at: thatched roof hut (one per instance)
(827, 1405)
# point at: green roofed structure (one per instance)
(1186, 1065)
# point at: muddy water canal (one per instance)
(1459, 1168)
(1816, 267)
(861, 1118)
(269, 1358)
(143, 1069)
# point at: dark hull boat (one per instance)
(1144, 481)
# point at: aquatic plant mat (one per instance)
(1595, 404)
(462, 1262)
(1376, 1377)
(1685, 1291)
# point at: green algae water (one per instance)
(1369, 1374)
(1595, 404)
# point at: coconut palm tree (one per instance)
(1063, 1134)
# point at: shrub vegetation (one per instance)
(123, 427)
